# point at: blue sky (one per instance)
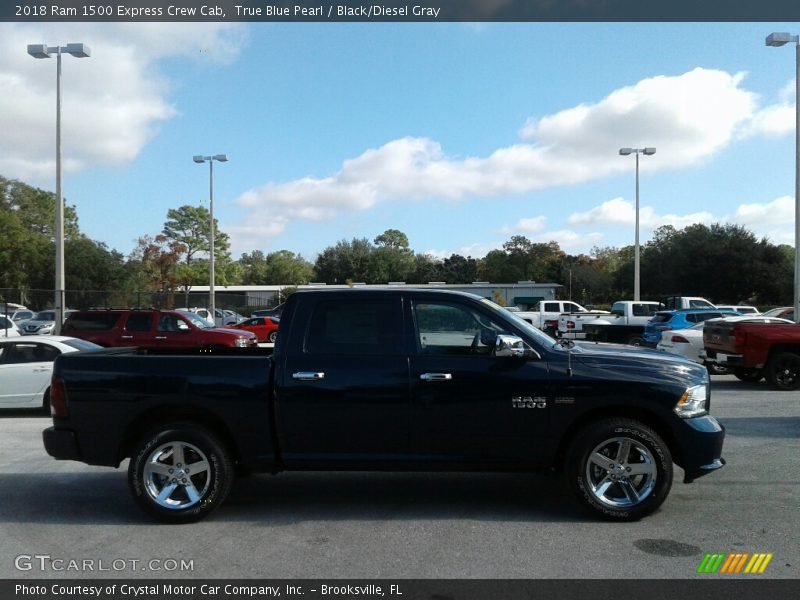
(460, 135)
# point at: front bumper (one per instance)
(61, 444)
(701, 441)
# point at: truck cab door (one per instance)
(342, 383)
(469, 407)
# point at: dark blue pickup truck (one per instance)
(388, 379)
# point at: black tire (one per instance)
(189, 496)
(273, 335)
(716, 369)
(783, 371)
(609, 490)
(635, 340)
(748, 374)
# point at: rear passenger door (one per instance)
(137, 329)
(342, 395)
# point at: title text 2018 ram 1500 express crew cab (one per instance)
(388, 380)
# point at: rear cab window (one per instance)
(342, 327)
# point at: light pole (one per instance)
(637, 152)
(775, 40)
(210, 160)
(45, 51)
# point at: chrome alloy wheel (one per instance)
(621, 472)
(177, 475)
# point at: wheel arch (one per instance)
(192, 415)
(643, 415)
(776, 349)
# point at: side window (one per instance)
(93, 321)
(23, 352)
(45, 353)
(644, 310)
(570, 307)
(552, 307)
(373, 327)
(454, 329)
(693, 317)
(139, 322)
(171, 323)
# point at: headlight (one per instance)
(241, 342)
(692, 403)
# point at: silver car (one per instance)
(43, 323)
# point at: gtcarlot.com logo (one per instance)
(735, 563)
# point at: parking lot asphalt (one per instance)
(409, 525)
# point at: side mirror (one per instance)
(508, 346)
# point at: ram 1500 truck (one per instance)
(388, 380)
(755, 351)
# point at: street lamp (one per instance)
(210, 160)
(637, 152)
(775, 40)
(45, 51)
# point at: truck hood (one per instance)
(617, 357)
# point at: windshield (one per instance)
(46, 315)
(197, 320)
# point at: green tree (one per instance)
(190, 226)
(346, 261)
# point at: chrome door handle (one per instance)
(161, 337)
(308, 376)
(126, 337)
(436, 377)
(41, 369)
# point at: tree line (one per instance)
(722, 262)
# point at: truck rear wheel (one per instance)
(748, 374)
(783, 371)
(619, 469)
(179, 473)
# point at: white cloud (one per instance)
(112, 102)
(778, 212)
(774, 219)
(777, 119)
(618, 211)
(689, 118)
(527, 225)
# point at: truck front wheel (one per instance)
(783, 371)
(179, 473)
(619, 469)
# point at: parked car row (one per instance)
(689, 342)
(153, 328)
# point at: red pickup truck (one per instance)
(152, 329)
(756, 350)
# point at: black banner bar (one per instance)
(399, 10)
(707, 588)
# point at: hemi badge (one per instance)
(564, 400)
